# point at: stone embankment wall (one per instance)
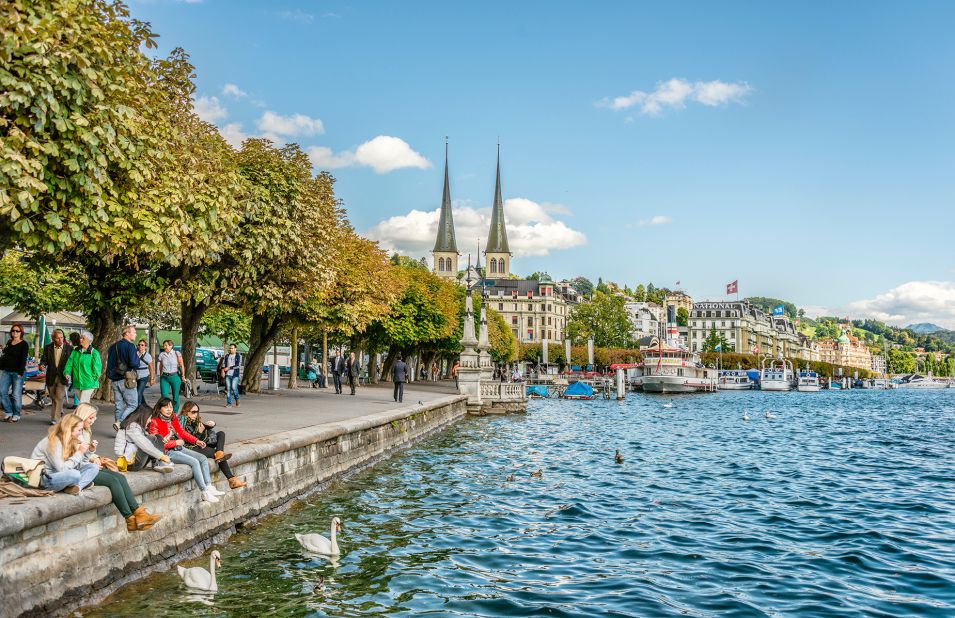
(59, 553)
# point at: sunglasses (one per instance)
(16, 331)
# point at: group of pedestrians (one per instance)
(347, 368)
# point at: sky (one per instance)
(805, 149)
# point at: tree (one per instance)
(228, 324)
(682, 316)
(604, 319)
(583, 285)
(601, 286)
(640, 293)
(716, 339)
(34, 289)
(899, 361)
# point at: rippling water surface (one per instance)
(840, 505)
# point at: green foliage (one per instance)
(34, 289)
(767, 304)
(228, 324)
(604, 319)
(640, 293)
(503, 341)
(714, 339)
(603, 357)
(583, 285)
(682, 316)
(899, 361)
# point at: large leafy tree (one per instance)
(604, 319)
(34, 289)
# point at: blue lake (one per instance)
(841, 505)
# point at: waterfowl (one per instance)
(199, 578)
(618, 457)
(511, 478)
(668, 404)
(319, 544)
(745, 417)
(770, 414)
(538, 474)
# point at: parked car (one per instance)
(207, 360)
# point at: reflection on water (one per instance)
(840, 505)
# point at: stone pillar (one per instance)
(469, 373)
(484, 346)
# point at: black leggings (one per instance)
(210, 451)
(123, 497)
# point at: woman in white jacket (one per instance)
(65, 466)
(135, 448)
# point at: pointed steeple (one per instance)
(445, 240)
(497, 236)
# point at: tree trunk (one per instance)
(261, 336)
(389, 362)
(107, 328)
(192, 312)
(293, 360)
(372, 368)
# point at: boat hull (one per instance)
(923, 385)
(775, 385)
(808, 388)
(677, 384)
(735, 387)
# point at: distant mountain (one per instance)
(924, 328)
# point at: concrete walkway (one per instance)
(258, 415)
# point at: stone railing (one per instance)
(492, 390)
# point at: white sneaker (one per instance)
(212, 489)
(7, 416)
(208, 497)
(163, 467)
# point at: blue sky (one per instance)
(805, 150)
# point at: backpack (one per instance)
(26, 472)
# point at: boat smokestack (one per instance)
(672, 330)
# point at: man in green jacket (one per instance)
(84, 367)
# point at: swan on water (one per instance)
(668, 404)
(319, 544)
(745, 417)
(198, 577)
(770, 414)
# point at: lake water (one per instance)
(840, 505)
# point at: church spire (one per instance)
(497, 236)
(445, 240)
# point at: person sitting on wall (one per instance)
(135, 449)
(65, 467)
(137, 518)
(165, 424)
(214, 440)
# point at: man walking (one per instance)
(399, 375)
(54, 359)
(230, 371)
(121, 363)
(338, 369)
(351, 366)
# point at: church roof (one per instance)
(497, 236)
(445, 239)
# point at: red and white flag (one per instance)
(755, 349)
(732, 288)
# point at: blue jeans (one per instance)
(12, 403)
(231, 389)
(58, 481)
(125, 400)
(141, 384)
(197, 461)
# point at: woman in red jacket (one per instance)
(165, 425)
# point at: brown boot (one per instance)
(131, 525)
(72, 490)
(145, 521)
(220, 456)
(236, 483)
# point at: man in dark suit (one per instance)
(352, 368)
(338, 369)
(54, 359)
(399, 375)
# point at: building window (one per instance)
(514, 321)
(440, 264)
(493, 265)
(530, 321)
(500, 306)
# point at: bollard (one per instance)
(621, 385)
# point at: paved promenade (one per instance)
(258, 415)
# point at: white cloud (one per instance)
(531, 229)
(656, 220)
(383, 154)
(233, 91)
(276, 125)
(676, 92)
(912, 302)
(297, 16)
(233, 134)
(209, 109)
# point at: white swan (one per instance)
(770, 414)
(319, 544)
(198, 577)
(745, 417)
(668, 405)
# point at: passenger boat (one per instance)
(875, 383)
(669, 367)
(808, 382)
(776, 377)
(578, 390)
(735, 380)
(921, 382)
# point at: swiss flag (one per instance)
(732, 288)
(755, 349)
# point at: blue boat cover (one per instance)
(579, 389)
(753, 375)
(537, 390)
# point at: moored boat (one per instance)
(578, 390)
(921, 382)
(808, 382)
(735, 380)
(776, 377)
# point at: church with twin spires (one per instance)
(534, 309)
(497, 255)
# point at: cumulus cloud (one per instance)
(531, 229)
(656, 220)
(296, 125)
(676, 92)
(209, 109)
(383, 154)
(233, 91)
(233, 134)
(912, 302)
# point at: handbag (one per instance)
(109, 464)
(27, 472)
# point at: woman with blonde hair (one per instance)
(64, 458)
(137, 518)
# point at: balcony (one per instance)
(505, 392)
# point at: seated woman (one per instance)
(203, 431)
(135, 449)
(166, 425)
(137, 518)
(64, 458)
